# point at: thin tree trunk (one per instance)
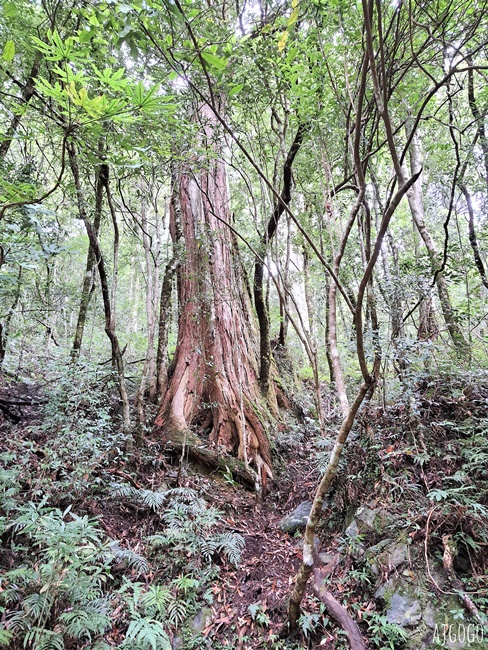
(165, 304)
(259, 298)
(330, 473)
(481, 133)
(479, 118)
(108, 311)
(89, 277)
(369, 378)
(5, 327)
(473, 240)
(284, 306)
(27, 93)
(392, 294)
(415, 202)
(149, 360)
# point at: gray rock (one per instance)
(352, 530)
(396, 556)
(316, 543)
(193, 628)
(326, 558)
(387, 555)
(366, 517)
(428, 616)
(385, 591)
(297, 519)
(372, 519)
(404, 611)
(356, 547)
(372, 553)
(375, 550)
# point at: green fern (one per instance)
(134, 560)
(37, 607)
(41, 639)
(154, 499)
(185, 583)
(230, 545)
(5, 636)
(144, 633)
(155, 601)
(93, 619)
(177, 612)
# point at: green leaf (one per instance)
(9, 10)
(294, 17)
(215, 61)
(85, 36)
(235, 89)
(5, 637)
(8, 51)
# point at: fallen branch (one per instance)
(20, 402)
(337, 611)
(127, 477)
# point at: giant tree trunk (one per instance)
(213, 381)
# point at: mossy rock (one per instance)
(411, 603)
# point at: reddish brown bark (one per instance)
(213, 381)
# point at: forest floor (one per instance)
(248, 604)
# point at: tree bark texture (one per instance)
(330, 473)
(213, 380)
(27, 93)
(165, 302)
(338, 612)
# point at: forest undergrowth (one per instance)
(109, 542)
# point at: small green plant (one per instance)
(83, 434)
(258, 615)
(308, 623)
(382, 634)
(190, 529)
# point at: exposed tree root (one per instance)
(193, 450)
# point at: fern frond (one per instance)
(133, 559)
(37, 607)
(146, 633)
(42, 639)
(231, 546)
(176, 612)
(155, 600)
(84, 622)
